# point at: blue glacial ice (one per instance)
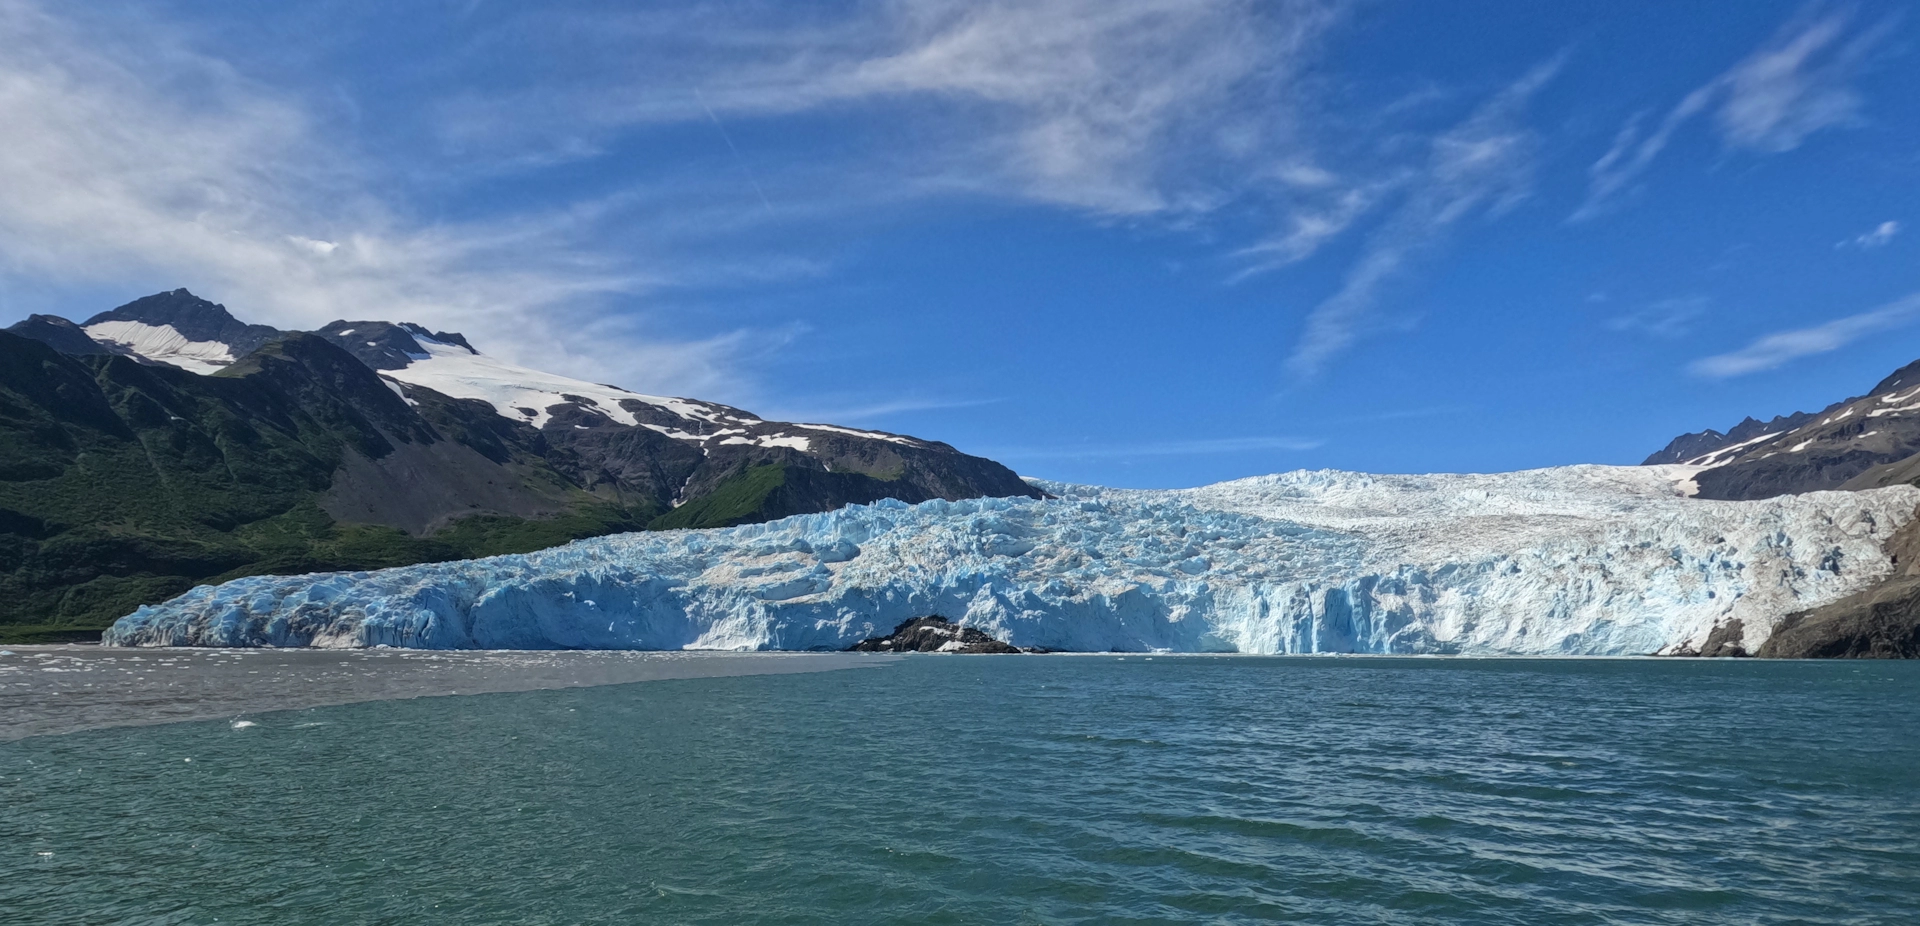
(1570, 560)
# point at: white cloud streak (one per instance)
(1666, 319)
(1206, 447)
(132, 160)
(1797, 84)
(1484, 163)
(1878, 237)
(1115, 107)
(1782, 347)
(870, 412)
(1120, 110)
(132, 157)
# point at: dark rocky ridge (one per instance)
(59, 334)
(630, 466)
(384, 345)
(1863, 442)
(934, 635)
(1700, 443)
(195, 318)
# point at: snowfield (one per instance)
(163, 344)
(1572, 560)
(524, 395)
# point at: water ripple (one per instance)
(1008, 790)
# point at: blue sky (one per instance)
(1132, 242)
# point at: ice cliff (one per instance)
(1583, 559)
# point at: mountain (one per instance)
(1860, 443)
(178, 328)
(713, 464)
(1689, 448)
(1863, 442)
(166, 443)
(59, 334)
(1575, 560)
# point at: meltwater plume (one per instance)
(1572, 560)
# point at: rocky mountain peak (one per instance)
(1861, 442)
(386, 345)
(1906, 377)
(193, 318)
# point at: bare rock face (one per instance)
(1864, 442)
(1882, 622)
(933, 635)
(1726, 640)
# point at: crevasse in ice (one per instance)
(1576, 560)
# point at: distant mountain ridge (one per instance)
(1856, 443)
(1703, 444)
(1864, 442)
(165, 443)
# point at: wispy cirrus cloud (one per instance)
(1183, 448)
(1483, 164)
(871, 411)
(1797, 84)
(1665, 318)
(1311, 225)
(134, 159)
(1876, 237)
(1117, 109)
(1781, 347)
(1167, 111)
(1114, 107)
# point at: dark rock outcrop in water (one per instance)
(933, 635)
(1882, 622)
(1726, 640)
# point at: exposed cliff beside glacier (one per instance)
(1583, 559)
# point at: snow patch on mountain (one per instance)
(520, 393)
(163, 344)
(876, 435)
(1722, 455)
(526, 395)
(1572, 560)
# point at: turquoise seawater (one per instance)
(1000, 790)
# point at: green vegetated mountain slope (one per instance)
(125, 482)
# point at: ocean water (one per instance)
(1018, 789)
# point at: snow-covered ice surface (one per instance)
(526, 395)
(460, 372)
(1574, 560)
(164, 344)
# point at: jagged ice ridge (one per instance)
(1570, 560)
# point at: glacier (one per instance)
(1587, 560)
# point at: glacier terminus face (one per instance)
(1590, 560)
